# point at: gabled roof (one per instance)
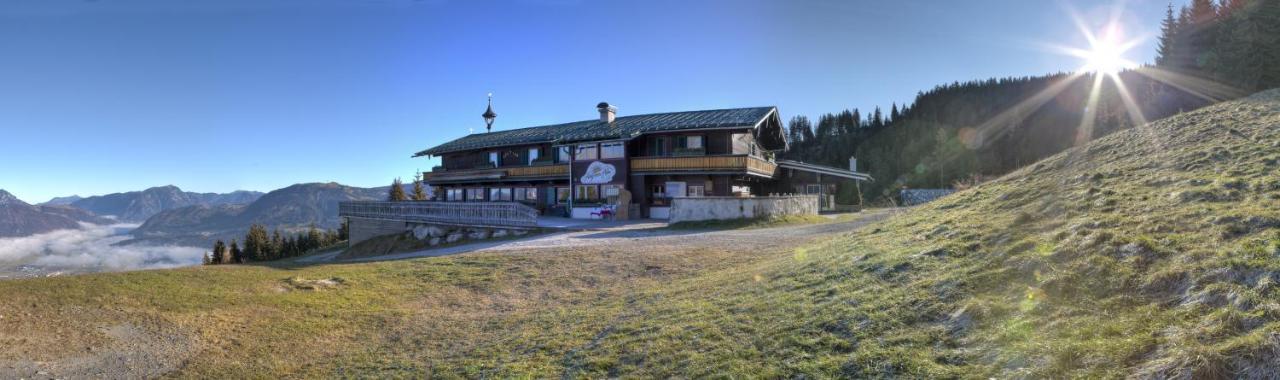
(624, 127)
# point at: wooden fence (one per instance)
(486, 214)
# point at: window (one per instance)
(475, 195)
(689, 142)
(455, 195)
(533, 155)
(493, 159)
(658, 146)
(562, 154)
(526, 194)
(658, 191)
(587, 193)
(658, 195)
(693, 142)
(500, 194)
(696, 191)
(611, 190)
(675, 189)
(813, 189)
(612, 150)
(562, 195)
(586, 152)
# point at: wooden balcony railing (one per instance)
(486, 214)
(750, 164)
(514, 172)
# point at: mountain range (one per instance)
(289, 209)
(137, 206)
(18, 218)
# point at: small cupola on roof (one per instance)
(607, 112)
(489, 115)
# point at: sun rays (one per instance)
(1104, 59)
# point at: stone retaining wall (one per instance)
(434, 234)
(364, 229)
(723, 208)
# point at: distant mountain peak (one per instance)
(6, 198)
(62, 201)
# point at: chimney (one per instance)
(607, 112)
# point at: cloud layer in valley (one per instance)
(90, 249)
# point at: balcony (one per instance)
(698, 164)
(439, 175)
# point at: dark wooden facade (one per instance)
(708, 163)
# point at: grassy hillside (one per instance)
(1149, 252)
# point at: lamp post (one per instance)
(489, 115)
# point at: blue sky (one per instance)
(101, 96)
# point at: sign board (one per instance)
(600, 172)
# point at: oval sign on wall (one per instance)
(598, 173)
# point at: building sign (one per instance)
(600, 172)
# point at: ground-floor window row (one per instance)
(582, 193)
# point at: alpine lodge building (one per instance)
(639, 163)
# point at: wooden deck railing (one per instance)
(703, 163)
(504, 172)
(486, 214)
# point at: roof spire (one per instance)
(489, 115)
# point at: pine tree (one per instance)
(206, 260)
(1203, 12)
(277, 242)
(396, 194)
(1165, 45)
(794, 133)
(893, 114)
(219, 253)
(419, 193)
(344, 230)
(313, 238)
(256, 244)
(237, 256)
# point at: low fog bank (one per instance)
(89, 249)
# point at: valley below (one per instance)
(90, 248)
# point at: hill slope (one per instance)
(296, 206)
(1150, 252)
(18, 218)
(137, 206)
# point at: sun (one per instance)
(1106, 57)
(1106, 52)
